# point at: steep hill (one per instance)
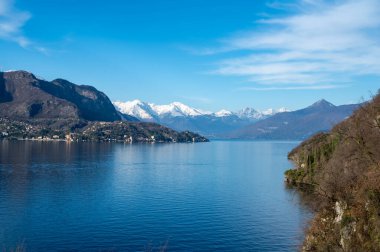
(342, 169)
(23, 96)
(299, 124)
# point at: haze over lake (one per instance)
(222, 195)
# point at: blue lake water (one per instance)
(217, 196)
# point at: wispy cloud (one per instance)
(316, 87)
(324, 42)
(12, 21)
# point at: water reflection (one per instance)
(88, 196)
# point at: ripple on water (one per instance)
(225, 196)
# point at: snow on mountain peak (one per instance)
(176, 109)
(152, 112)
(249, 113)
(223, 113)
(136, 108)
(136, 101)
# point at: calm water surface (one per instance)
(218, 196)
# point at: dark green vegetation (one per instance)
(342, 170)
(31, 108)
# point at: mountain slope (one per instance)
(341, 170)
(299, 124)
(23, 96)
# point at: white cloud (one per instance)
(325, 42)
(12, 22)
(319, 87)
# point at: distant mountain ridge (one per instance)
(321, 116)
(150, 111)
(181, 117)
(248, 123)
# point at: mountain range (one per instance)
(248, 123)
(152, 112)
(179, 116)
(297, 125)
(32, 108)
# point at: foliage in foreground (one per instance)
(343, 168)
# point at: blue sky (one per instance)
(209, 54)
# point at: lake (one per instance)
(217, 196)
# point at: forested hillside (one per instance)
(342, 169)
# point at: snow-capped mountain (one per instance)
(177, 109)
(247, 123)
(152, 112)
(138, 109)
(249, 113)
(223, 113)
(182, 117)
